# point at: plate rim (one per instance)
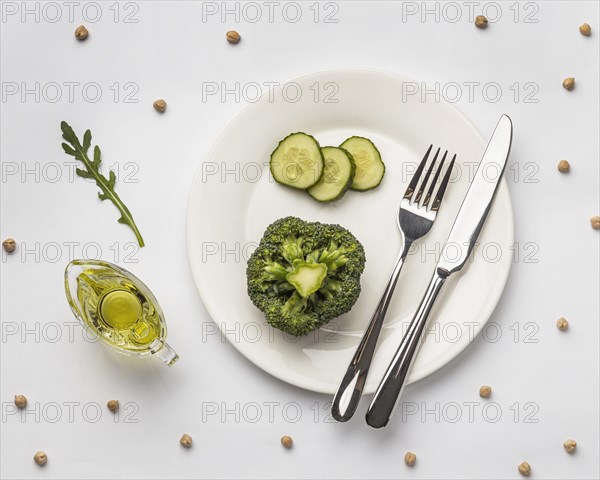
(265, 366)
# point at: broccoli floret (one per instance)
(302, 275)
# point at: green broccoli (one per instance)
(302, 275)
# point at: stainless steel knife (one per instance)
(463, 236)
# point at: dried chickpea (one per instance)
(481, 21)
(570, 445)
(160, 105)
(410, 459)
(21, 401)
(287, 441)
(562, 323)
(233, 36)
(113, 405)
(9, 245)
(81, 33)
(595, 221)
(40, 458)
(585, 30)
(525, 469)
(485, 391)
(186, 440)
(569, 83)
(564, 166)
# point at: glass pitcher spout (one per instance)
(163, 351)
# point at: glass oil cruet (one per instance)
(119, 308)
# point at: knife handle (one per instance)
(385, 398)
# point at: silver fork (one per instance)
(415, 219)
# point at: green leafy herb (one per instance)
(106, 185)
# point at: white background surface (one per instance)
(545, 381)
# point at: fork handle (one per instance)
(350, 390)
(385, 398)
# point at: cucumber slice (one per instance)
(297, 161)
(369, 166)
(337, 175)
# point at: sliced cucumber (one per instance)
(337, 175)
(297, 161)
(369, 166)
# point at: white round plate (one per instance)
(234, 198)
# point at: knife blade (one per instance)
(478, 200)
(463, 236)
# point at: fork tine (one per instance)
(427, 175)
(440, 193)
(413, 183)
(434, 181)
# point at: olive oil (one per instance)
(115, 308)
(118, 307)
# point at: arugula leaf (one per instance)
(106, 185)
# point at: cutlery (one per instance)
(463, 236)
(415, 218)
